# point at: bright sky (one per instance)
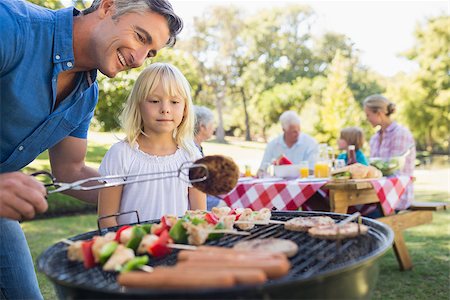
(380, 29)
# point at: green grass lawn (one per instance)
(428, 244)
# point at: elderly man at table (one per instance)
(294, 144)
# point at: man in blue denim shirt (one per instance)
(48, 67)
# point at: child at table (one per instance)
(352, 136)
(158, 121)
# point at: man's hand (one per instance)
(21, 196)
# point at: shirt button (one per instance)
(57, 56)
(20, 148)
(69, 64)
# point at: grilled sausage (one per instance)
(227, 255)
(242, 276)
(177, 278)
(274, 268)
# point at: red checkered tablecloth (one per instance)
(390, 189)
(292, 194)
(283, 195)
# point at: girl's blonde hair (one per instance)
(353, 136)
(174, 84)
(379, 103)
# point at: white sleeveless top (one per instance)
(152, 199)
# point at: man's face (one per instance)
(125, 43)
(291, 133)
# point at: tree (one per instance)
(338, 108)
(215, 47)
(52, 4)
(427, 110)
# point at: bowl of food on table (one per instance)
(283, 167)
(388, 166)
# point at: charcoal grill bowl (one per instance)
(352, 279)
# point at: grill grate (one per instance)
(314, 258)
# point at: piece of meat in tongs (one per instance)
(214, 175)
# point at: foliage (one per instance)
(338, 108)
(249, 67)
(427, 104)
(113, 93)
(52, 4)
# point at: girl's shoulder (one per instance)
(121, 146)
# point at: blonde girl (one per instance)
(158, 120)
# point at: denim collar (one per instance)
(63, 38)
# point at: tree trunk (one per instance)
(220, 132)
(248, 136)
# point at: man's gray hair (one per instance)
(203, 117)
(289, 117)
(162, 7)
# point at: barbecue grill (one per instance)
(321, 268)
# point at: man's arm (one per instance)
(67, 161)
(266, 160)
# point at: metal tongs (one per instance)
(79, 184)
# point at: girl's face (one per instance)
(162, 113)
(374, 118)
(342, 144)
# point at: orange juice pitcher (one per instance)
(322, 166)
(321, 169)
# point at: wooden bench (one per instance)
(398, 223)
(419, 213)
(433, 206)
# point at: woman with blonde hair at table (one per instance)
(390, 140)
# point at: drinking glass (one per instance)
(248, 171)
(304, 169)
(265, 170)
(339, 163)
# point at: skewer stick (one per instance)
(277, 222)
(252, 222)
(67, 242)
(182, 246)
(146, 268)
(350, 218)
(229, 231)
(261, 222)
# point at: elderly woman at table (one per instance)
(390, 140)
(204, 125)
(204, 129)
